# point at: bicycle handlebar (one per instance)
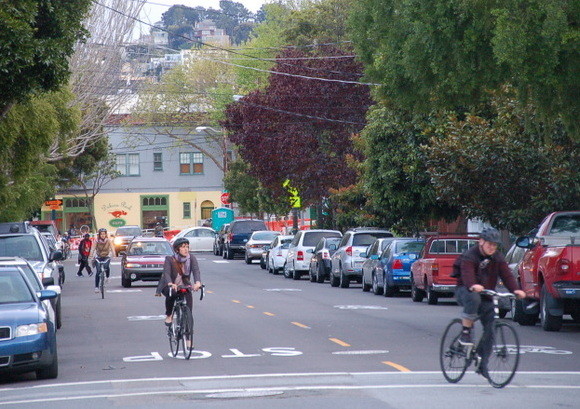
(188, 288)
(496, 294)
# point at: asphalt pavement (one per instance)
(263, 341)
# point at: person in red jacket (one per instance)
(84, 252)
(476, 269)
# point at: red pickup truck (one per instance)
(431, 274)
(550, 272)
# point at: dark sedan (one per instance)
(144, 260)
(320, 262)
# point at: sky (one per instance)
(153, 10)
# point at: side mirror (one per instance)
(55, 255)
(524, 242)
(363, 255)
(46, 281)
(413, 256)
(46, 295)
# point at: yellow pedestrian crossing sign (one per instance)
(294, 196)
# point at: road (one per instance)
(263, 341)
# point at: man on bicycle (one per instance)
(103, 250)
(476, 269)
(178, 270)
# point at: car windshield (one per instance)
(248, 227)
(128, 231)
(566, 225)
(24, 246)
(13, 288)
(265, 235)
(149, 248)
(311, 238)
(409, 247)
(366, 239)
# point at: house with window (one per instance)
(165, 174)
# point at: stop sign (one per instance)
(225, 198)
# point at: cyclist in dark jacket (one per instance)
(476, 269)
(178, 270)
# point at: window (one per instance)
(186, 210)
(128, 164)
(190, 163)
(157, 161)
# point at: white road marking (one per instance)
(220, 261)
(360, 307)
(360, 352)
(123, 291)
(146, 317)
(282, 289)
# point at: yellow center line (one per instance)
(269, 314)
(209, 292)
(396, 366)
(339, 342)
(250, 306)
(300, 325)
(236, 301)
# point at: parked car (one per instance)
(200, 238)
(237, 234)
(27, 335)
(144, 260)
(48, 226)
(276, 254)
(394, 271)
(123, 237)
(22, 240)
(346, 261)
(319, 268)
(372, 264)
(35, 282)
(218, 245)
(549, 272)
(256, 243)
(431, 274)
(300, 251)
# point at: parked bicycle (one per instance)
(102, 267)
(455, 358)
(181, 332)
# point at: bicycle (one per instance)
(102, 265)
(181, 329)
(455, 358)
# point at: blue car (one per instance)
(27, 334)
(394, 270)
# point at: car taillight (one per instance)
(300, 255)
(230, 236)
(326, 255)
(349, 251)
(563, 266)
(435, 269)
(397, 265)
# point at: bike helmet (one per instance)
(102, 230)
(490, 234)
(177, 243)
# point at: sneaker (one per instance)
(96, 289)
(465, 339)
(90, 274)
(481, 370)
(79, 274)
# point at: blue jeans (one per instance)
(475, 306)
(99, 266)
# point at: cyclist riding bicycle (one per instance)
(103, 250)
(477, 269)
(178, 270)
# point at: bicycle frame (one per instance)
(102, 265)
(181, 330)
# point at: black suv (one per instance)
(20, 239)
(237, 234)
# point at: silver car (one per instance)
(256, 243)
(346, 262)
(277, 254)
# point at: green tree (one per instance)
(36, 39)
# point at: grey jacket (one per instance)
(170, 273)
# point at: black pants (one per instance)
(84, 263)
(170, 300)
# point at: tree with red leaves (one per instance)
(300, 126)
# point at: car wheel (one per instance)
(417, 295)
(58, 313)
(432, 296)
(50, 372)
(521, 316)
(247, 260)
(286, 270)
(60, 276)
(367, 287)
(388, 290)
(334, 280)
(377, 290)
(320, 274)
(311, 275)
(263, 263)
(125, 281)
(344, 280)
(549, 321)
(224, 254)
(229, 253)
(576, 316)
(296, 275)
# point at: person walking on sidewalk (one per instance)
(85, 246)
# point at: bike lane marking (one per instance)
(339, 342)
(401, 368)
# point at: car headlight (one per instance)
(118, 240)
(132, 265)
(30, 329)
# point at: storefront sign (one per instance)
(117, 222)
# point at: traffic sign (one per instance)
(225, 198)
(54, 202)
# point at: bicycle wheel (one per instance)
(187, 332)
(453, 357)
(173, 333)
(505, 356)
(102, 284)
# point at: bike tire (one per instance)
(102, 284)
(505, 356)
(454, 358)
(173, 333)
(187, 332)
